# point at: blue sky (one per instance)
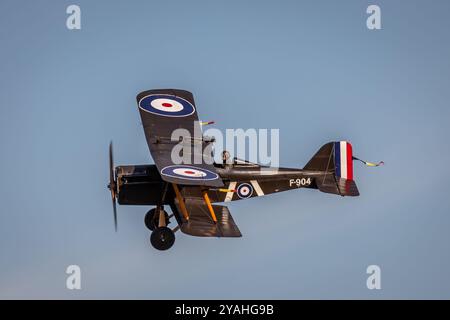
(310, 68)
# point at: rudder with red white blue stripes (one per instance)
(334, 162)
(343, 159)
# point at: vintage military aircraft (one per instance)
(190, 189)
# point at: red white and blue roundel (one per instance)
(166, 105)
(188, 172)
(244, 190)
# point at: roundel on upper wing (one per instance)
(245, 190)
(188, 172)
(166, 105)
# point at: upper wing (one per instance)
(162, 112)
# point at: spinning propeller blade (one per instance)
(112, 183)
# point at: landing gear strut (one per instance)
(162, 237)
(151, 219)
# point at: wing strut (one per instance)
(180, 201)
(210, 208)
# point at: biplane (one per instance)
(192, 191)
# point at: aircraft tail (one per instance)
(335, 161)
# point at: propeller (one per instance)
(112, 186)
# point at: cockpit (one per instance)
(227, 161)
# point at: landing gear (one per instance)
(151, 219)
(162, 238)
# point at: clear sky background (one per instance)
(310, 68)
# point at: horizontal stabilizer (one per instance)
(336, 185)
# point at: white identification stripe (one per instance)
(257, 188)
(344, 159)
(265, 172)
(230, 194)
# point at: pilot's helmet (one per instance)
(225, 156)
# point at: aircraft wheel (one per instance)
(151, 222)
(162, 238)
(149, 219)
